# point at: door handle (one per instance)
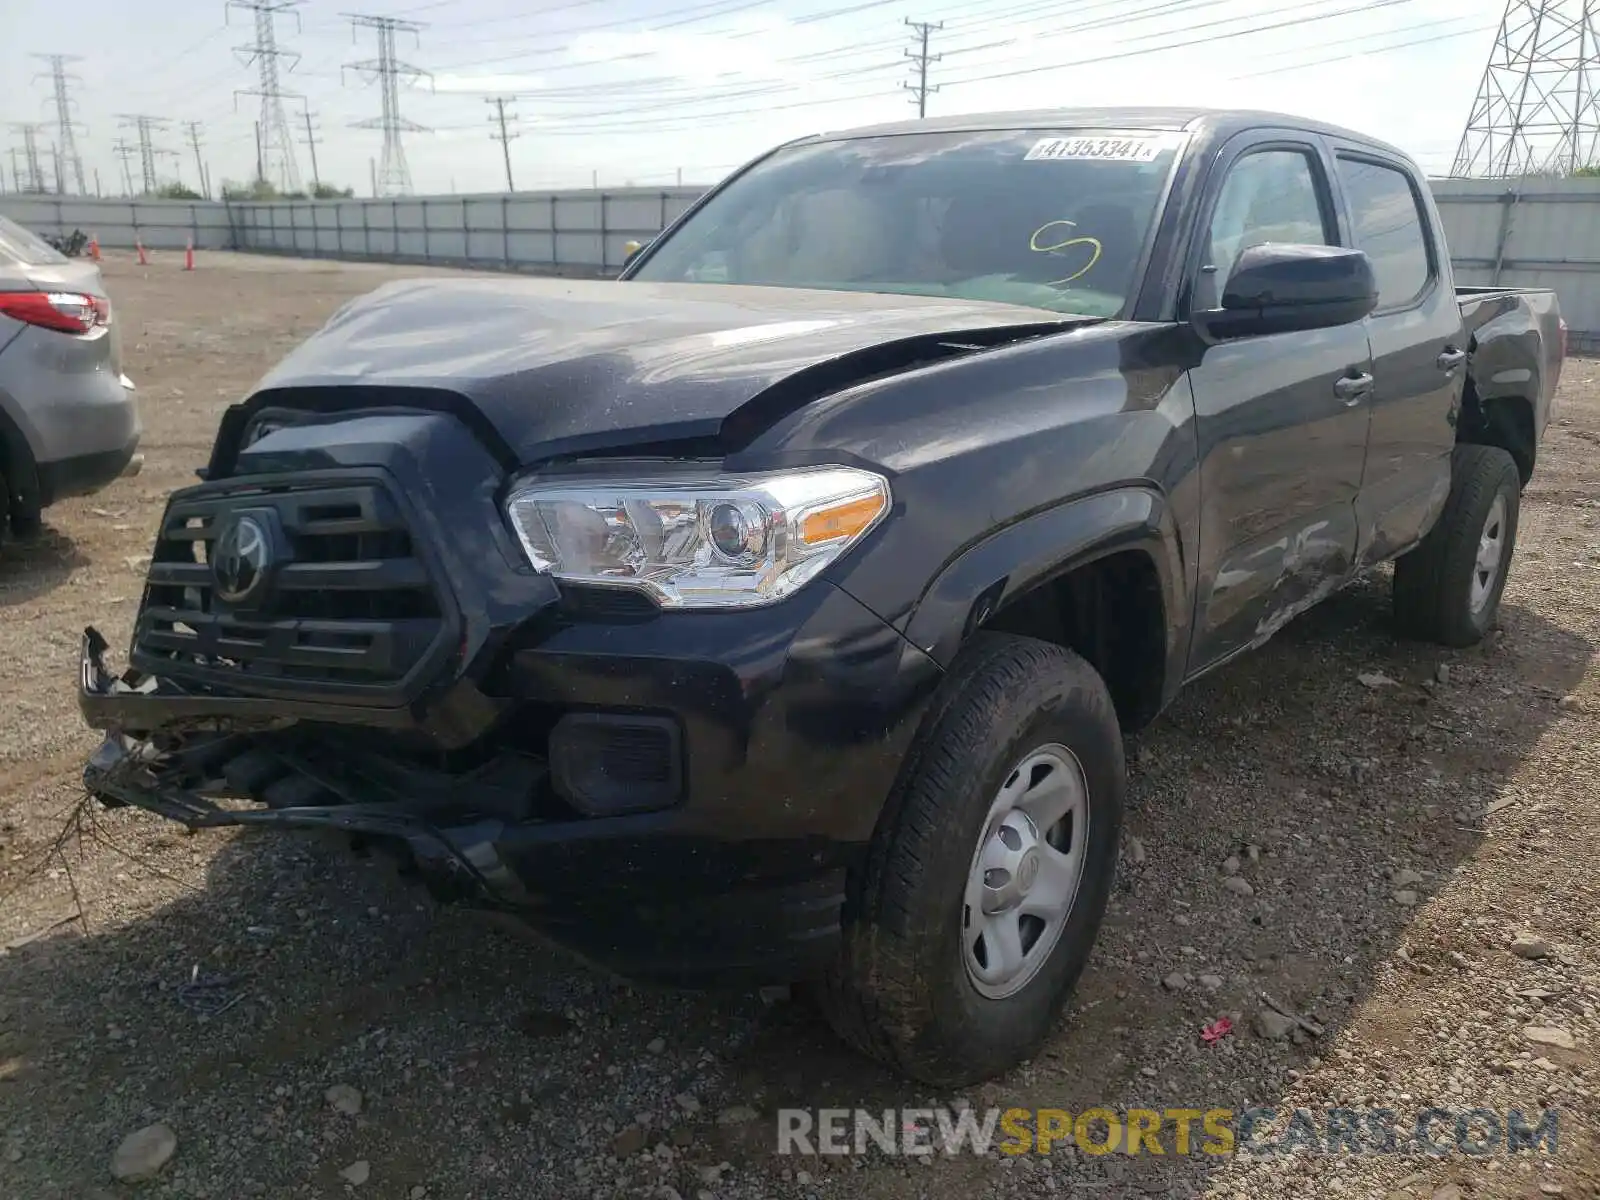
(1351, 388)
(1451, 358)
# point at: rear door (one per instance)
(1281, 418)
(1418, 352)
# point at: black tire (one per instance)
(1434, 584)
(900, 991)
(27, 525)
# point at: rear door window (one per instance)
(1388, 225)
(19, 248)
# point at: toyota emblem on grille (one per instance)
(241, 559)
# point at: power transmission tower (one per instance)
(125, 152)
(394, 177)
(146, 127)
(30, 155)
(1536, 108)
(66, 128)
(922, 58)
(193, 130)
(503, 137)
(55, 168)
(277, 147)
(311, 141)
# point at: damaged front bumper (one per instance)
(209, 761)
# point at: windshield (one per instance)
(21, 248)
(1051, 218)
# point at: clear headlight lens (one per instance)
(698, 541)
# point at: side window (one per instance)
(1387, 225)
(1268, 196)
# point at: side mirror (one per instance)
(631, 249)
(1285, 288)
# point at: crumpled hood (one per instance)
(563, 366)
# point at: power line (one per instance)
(922, 58)
(393, 176)
(276, 144)
(1536, 107)
(659, 124)
(1179, 45)
(503, 137)
(1363, 50)
(66, 138)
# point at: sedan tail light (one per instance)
(1562, 322)
(68, 312)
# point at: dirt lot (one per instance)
(1396, 838)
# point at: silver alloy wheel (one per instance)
(1025, 871)
(1491, 554)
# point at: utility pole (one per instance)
(311, 141)
(125, 152)
(275, 146)
(147, 127)
(921, 57)
(1535, 109)
(16, 173)
(193, 129)
(503, 137)
(30, 155)
(66, 127)
(394, 176)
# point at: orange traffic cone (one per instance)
(188, 255)
(144, 261)
(94, 246)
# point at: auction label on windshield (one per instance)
(1134, 148)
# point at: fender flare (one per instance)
(1045, 545)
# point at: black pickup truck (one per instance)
(775, 611)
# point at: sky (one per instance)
(646, 92)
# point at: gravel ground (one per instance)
(1396, 840)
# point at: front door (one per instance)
(1281, 419)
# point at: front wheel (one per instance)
(988, 880)
(1448, 589)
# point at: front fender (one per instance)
(1044, 546)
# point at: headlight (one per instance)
(697, 541)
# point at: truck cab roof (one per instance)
(1218, 124)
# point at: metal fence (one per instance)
(1527, 232)
(156, 224)
(578, 232)
(563, 232)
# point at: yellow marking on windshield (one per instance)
(1053, 247)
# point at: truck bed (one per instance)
(1517, 342)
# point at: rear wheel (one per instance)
(1448, 589)
(986, 886)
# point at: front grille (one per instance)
(350, 607)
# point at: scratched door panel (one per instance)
(1280, 464)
